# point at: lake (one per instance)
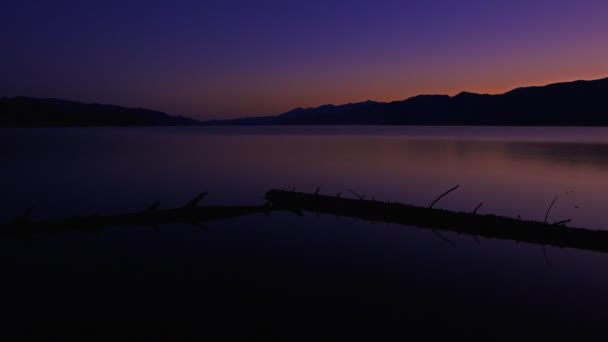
(286, 276)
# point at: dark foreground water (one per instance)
(290, 277)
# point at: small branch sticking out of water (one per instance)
(562, 222)
(550, 206)
(194, 202)
(442, 195)
(553, 202)
(477, 208)
(356, 194)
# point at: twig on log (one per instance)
(553, 202)
(550, 206)
(356, 194)
(477, 208)
(442, 195)
(192, 204)
(562, 222)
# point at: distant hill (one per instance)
(33, 112)
(579, 103)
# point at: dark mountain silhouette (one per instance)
(579, 103)
(33, 112)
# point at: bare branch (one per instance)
(443, 194)
(356, 194)
(194, 201)
(477, 208)
(562, 222)
(550, 206)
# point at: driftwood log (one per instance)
(190, 213)
(488, 226)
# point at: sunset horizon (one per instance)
(240, 116)
(226, 59)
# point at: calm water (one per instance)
(286, 276)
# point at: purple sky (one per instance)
(220, 59)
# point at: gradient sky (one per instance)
(222, 59)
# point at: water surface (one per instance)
(284, 274)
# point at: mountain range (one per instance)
(34, 112)
(578, 103)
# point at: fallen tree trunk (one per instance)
(190, 213)
(489, 226)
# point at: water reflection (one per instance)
(303, 277)
(83, 171)
(284, 273)
(571, 154)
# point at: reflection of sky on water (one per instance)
(514, 172)
(286, 264)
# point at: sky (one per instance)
(234, 58)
